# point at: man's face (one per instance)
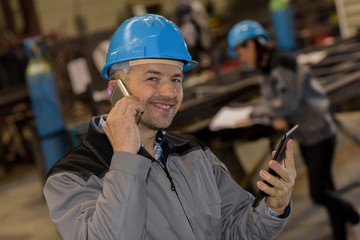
(159, 89)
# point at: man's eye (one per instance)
(177, 80)
(152, 79)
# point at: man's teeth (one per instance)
(164, 106)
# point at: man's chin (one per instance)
(162, 125)
(157, 124)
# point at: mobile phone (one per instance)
(119, 92)
(279, 156)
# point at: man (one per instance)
(133, 180)
(290, 95)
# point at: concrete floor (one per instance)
(24, 214)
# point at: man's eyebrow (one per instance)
(151, 71)
(181, 75)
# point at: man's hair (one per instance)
(123, 66)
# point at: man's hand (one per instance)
(120, 126)
(280, 194)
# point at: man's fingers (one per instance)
(127, 106)
(266, 188)
(286, 166)
(271, 179)
(273, 153)
(289, 160)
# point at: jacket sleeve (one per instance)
(281, 93)
(113, 207)
(239, 219)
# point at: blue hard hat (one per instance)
(244, 30)
(147, 36)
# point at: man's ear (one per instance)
(111, 85)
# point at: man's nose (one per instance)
(168, 89)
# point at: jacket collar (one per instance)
(100, 145)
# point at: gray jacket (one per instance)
(289, 91)
(93, 193)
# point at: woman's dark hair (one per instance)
(262, 54)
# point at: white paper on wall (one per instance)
(79, 75)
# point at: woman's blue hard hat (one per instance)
(243, 31)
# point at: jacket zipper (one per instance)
(172, 185)
(163, 166)
(174, 189)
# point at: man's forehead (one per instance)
(171, 62)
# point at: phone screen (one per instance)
(279, 156)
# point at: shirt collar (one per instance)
(102, 121)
